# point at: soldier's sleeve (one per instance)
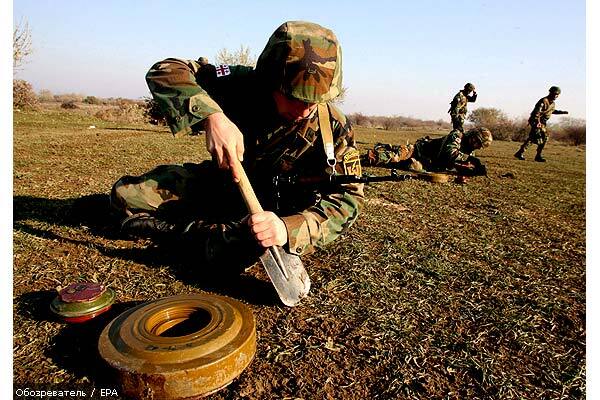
(536, 114)
(472, 98)
(454, 109)
(337, 209)
(173, 84)
(450, 149)
(558, 112)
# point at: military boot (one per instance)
(144, 225)
(519, 155)
(231, 244)
(538, 152)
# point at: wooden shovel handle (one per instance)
(246, 188)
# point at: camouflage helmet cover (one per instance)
(554, 89)
(304, 61)
(483, 134)
(469, 87)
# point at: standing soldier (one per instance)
(458, 106)
(276, 118)
(540, 115)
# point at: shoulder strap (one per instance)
(326, 135)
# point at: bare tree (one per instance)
(239, 57)
(21, 44)
(342, 96)
(487, 117)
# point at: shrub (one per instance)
(571, 131)
(394, 122)
(487, 117)
(390, 123)
(152, 112)
(575, 134)
(499, 124)
(509, 129)
(69, 105)
(68, 97)
(127, 111)
(45, 96)
(23, 95)
(521, 130)
(359, 119)
(92, 100)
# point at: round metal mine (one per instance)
(82, 301)
(180, 347)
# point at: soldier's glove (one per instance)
(481, 170)
(478, 167)
(473, 167)
(474, 161)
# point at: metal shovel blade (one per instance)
(285, 270)
(287, 274)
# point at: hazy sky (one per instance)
(404, 58)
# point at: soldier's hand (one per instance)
(481, 170)
(474, 161)
(224, 141)
(268, 229)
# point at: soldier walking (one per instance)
(538, 119)
(458, 106)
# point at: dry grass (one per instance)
(443, 291)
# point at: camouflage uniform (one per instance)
(445, 153)
(538, 119)
(458, 107)
(386, 154)
(302, 60)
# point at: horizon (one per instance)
(398, 59)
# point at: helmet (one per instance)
(554, 89)
(483, 134)
(304, 61)
(469, 87)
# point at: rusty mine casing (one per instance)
(180, 347)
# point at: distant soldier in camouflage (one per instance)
(276, 118)
(458, 106)
(538, 119)
(455, 151)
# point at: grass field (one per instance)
(439, 291)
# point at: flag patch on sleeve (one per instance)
(223, 70)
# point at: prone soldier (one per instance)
(455, 151)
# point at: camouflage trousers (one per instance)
(179, 194)
(538, 136)
(458, 122)
(384, 154)
(201, 198)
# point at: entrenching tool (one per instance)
(285, 270)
